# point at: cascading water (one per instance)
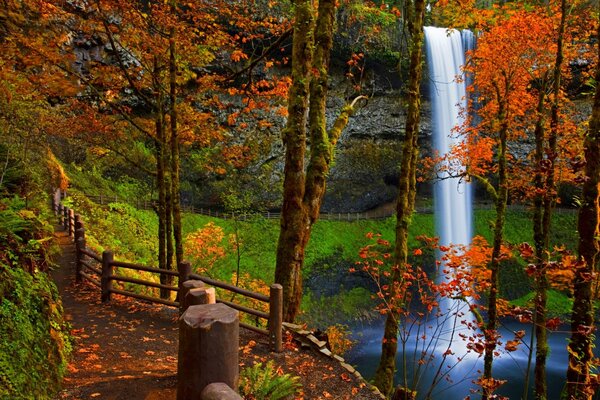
(445, 56)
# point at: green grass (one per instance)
(559, 304)
(131, 234)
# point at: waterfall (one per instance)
(452, 196)
(446, 55)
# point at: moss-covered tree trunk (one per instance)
(384, 376)
(582, 318)
(540, 239)
(290, 250)
(543, 207)
(490, 330)
(304, 188)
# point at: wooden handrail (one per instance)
(91, 268)
(120, 278)
(254, 328)
(144, 297)
(140, 267)
(90, 278)
(231, 288)
(91, 254)
(247, 310)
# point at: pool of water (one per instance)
(454, 376)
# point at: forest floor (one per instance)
(127, 349)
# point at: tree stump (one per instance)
(402, 393)
(208, 349)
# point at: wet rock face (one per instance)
(365, 172)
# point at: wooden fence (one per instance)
(354, 216)
(99, 270)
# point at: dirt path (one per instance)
(123, 350)
(127, 350)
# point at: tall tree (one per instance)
(509, 57)
(545, 198)
(579, 378)
(384, 376)
(304, 187)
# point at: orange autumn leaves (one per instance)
(514, 55)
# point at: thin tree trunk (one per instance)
(542, 225)
(160, 173)
(384, 376)
(540, 239)
(490, 332)
(175, 163)
(582, 318)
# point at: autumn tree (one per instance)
(580, 384)
(414, 15)
(304, 186)
(545, 184)
(509, 57)
(134, 72)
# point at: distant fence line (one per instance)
(327, 216)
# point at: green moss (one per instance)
(34, 339)
(559, 304)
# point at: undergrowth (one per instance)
(34, 337)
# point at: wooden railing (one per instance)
(99, 270)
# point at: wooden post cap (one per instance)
(199, 296)
(219, 391)
(205, 315)
(192, 284)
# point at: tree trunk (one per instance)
(294, 221)
(303, 193)
(175, 163)
(544, 207)
(582, 319)
(384, 376)
(540, 239)
(160, 174)
(490, 331)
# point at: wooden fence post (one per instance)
(80, 257)
(185, 269)
(184, 289)
(54, 202)
(78, 224)
(106, 278)
(65, 216)
(208, 349)
(276, 317)
(71, 222)
(198, 296)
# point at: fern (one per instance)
(264, 383)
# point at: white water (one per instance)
(452, 197)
